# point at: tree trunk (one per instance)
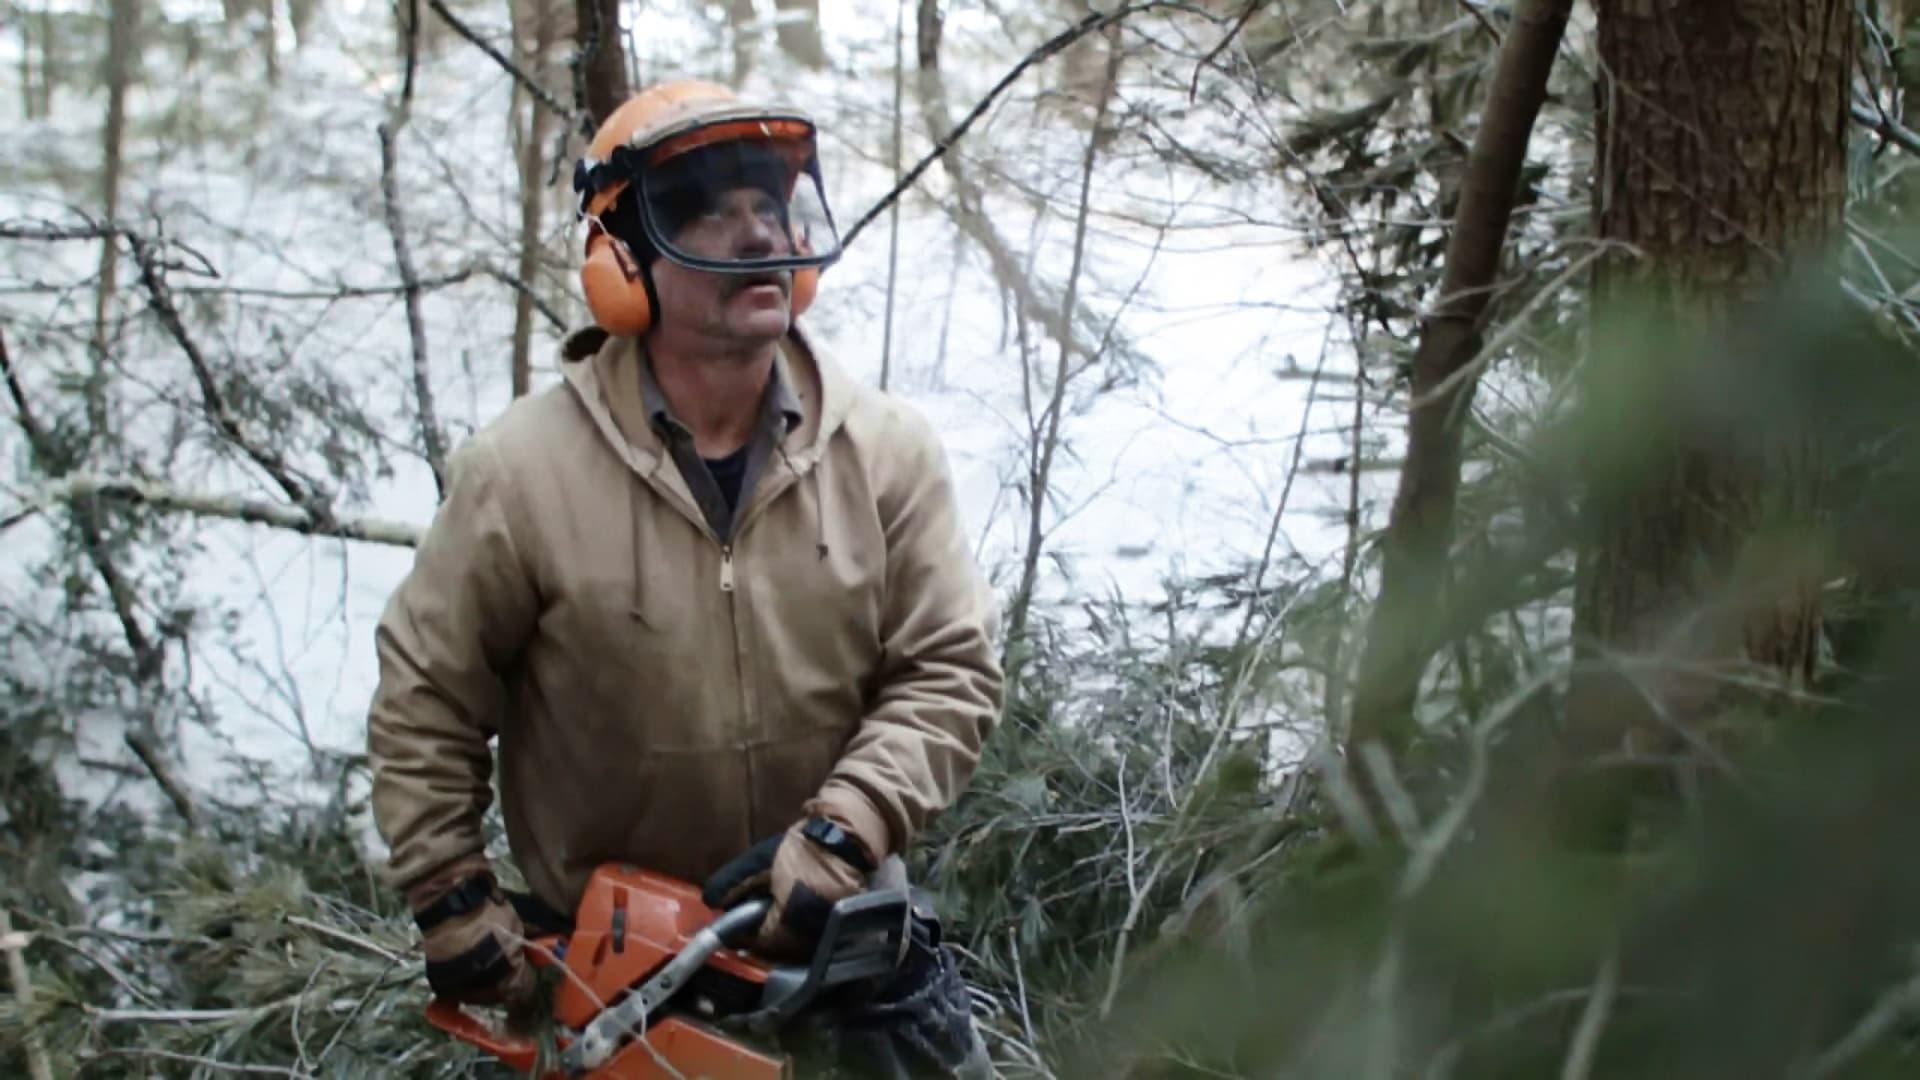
(605, 70)
(1721, 155)
(27, 103)
(300, 20)
(123, 21)
(533, 38)
(742, 19)
(49, 64)
(269, 40)
(799, 32)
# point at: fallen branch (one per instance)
(82, 486)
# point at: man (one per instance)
(708, 590)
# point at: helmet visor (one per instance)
(739, 196)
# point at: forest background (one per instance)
(1448, 468)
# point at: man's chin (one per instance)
(766, 324)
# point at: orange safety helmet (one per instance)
(667, 153)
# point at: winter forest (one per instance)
(1447, 469)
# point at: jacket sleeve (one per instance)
(447, 635)
(938, 690)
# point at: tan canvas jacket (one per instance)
(660, 698)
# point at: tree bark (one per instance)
(601, 69)
(1721, 136)
(123, 21)
(533, 37)
(1419, 533)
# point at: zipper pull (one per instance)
(726, 568)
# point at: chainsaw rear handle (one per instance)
(517, 1052)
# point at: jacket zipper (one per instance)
(726, 568)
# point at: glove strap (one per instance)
(482, 966)
(469, 896)
(837, 841)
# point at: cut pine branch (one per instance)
(1420, 529)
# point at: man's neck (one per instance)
(715, 394)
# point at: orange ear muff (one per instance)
(616, 295)
(806, 282)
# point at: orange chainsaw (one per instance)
(652, 984)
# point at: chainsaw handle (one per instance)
(515, 1051)
(740, 921)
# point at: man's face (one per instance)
(734, 309)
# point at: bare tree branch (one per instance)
(1420, 528)
(343, 292)
(148, 656)
(1042, 469)
(1092, 22)
(1886, 127)
(431, 437)
(539, 92)
(142, 746)
(297, 488)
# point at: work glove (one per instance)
(471, 936)
(814, 864)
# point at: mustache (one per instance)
(743, 282)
